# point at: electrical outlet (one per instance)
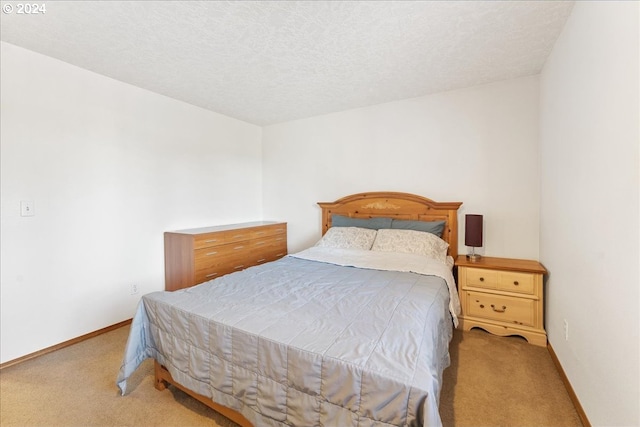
(134, 288)
(566, 330)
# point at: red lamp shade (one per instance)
(473, 230)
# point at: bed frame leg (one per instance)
(159, 382)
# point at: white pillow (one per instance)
(348, 238)
(411, 242)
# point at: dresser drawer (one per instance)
(271, 230)
(223, 253)
(268, 242)
(271, 252)
(208, 240)
(210, 268)
(222, 237)
(220, 252)
(211, 273)
(231, 254)
(502, 308)
(254, 233)
(516, 282)
(238, 235)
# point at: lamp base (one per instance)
(474, 257)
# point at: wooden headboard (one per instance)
(399, 206)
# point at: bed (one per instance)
(352, 331)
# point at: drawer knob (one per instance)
(499, 310)
(515, 282)
(482, 279)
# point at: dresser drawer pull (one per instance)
(211, 274)
(211, 253)
(211, 241)
(237, 248)
(279, 238)
(280, 254)
(260, 232)
(238, 267)
(482, 279)
(261, 260)
(262, 242)
(515, 282)
(499, 310)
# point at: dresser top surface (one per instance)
(225, 227)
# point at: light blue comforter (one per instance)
(300, 342)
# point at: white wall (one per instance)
(110, 168)
(589, 206)
(476, 145)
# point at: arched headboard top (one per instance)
(399, 206)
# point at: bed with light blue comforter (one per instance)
(305, 342)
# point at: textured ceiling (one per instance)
(269, 62)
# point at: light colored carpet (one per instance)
(503, 381)
(493, 381)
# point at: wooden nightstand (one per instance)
(503, 296)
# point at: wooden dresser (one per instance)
(200, 254)
(503, 296)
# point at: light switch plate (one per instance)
(27, 208)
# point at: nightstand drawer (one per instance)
(482, 278)
(516, 282)
(501, 308)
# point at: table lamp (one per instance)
(473, 235)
